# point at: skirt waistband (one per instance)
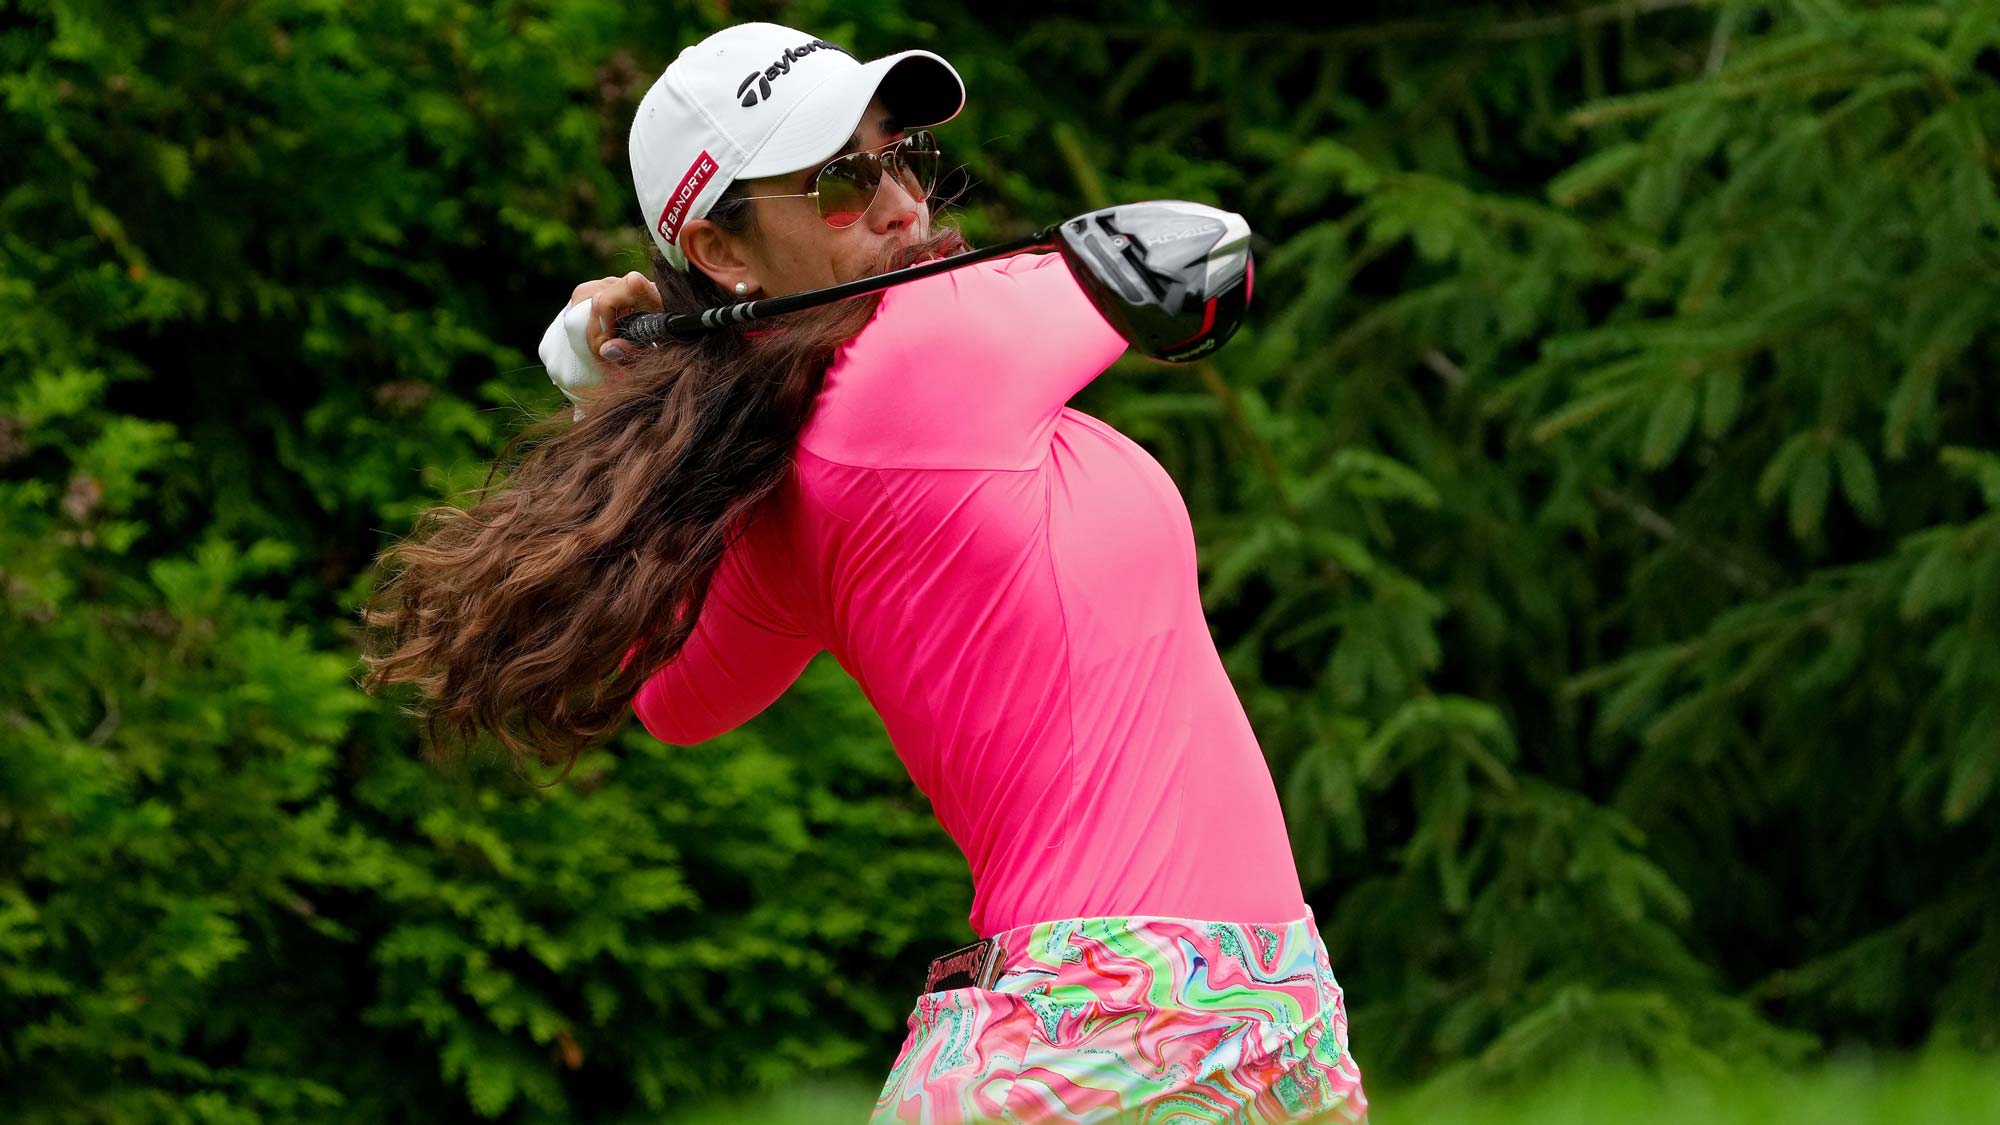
(1145, 961)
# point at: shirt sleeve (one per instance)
(969, 368)
(742, 655)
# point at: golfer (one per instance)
(896, 479)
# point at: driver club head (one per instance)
(1173, 277)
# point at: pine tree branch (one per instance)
(1668, 532)
(1392, 31)
(105, 726)
(1718, 44)
(1267, 461)
(1088, 182)
(1451, 373)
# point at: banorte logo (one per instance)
(675, 212)
(762, 79)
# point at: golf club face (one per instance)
(1173, 277)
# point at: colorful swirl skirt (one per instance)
(1139, 1019)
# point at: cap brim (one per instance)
(918, 88)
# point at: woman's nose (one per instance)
(894, 204)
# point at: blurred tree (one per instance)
(1597, 517)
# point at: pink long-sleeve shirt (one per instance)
(1012, 583)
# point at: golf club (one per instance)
(1172, 277)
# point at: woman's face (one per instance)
(791, 248)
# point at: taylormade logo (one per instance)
(762, 79)
(675, 212)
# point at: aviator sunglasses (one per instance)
(846, 186)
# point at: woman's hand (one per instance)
(611, 298)
(578, 349)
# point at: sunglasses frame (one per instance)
(888, 152)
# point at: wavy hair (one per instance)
(515, 614)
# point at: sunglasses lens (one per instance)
(846, 187)
(847, 184)
(917, 165)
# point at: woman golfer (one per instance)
(895, 479)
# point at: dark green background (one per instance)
(1599, 517)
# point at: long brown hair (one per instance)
(515, 614)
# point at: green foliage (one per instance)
(1940, 1085)
(1600, 519)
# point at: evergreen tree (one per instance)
(1597, 517)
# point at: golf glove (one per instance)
(565, 351)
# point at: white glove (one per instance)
(565, 351)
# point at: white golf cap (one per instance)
(759, 99)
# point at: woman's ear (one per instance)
(717, 253)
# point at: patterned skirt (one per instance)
(1140, 1019)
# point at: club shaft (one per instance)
(650, 328)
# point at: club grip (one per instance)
(644, 328)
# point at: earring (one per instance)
(742, 287)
